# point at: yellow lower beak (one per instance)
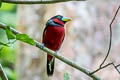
(66, 19)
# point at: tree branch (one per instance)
(115, 66)
(101, 65)
(58, 56)
(36, 2)
(110, 37)
(2, 73)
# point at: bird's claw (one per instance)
(56, 52)
(42, 45)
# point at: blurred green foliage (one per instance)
(8, 54)
(10, 73)
(66, 76)
(7, 7)
(0, 3)
(8, 14)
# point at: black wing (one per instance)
(44, 33)
(63, 37)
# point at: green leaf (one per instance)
(25, 38)
(0, 3)
(1, 49)
(10, 73)
(9, 33)
(66, 76)
(3, 44)
(8, 6)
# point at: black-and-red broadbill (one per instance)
(53, 37)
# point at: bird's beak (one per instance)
(66, 19)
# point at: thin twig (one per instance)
(102, 67)
(2, 73)
(37, 1)
(58, 56)
(118, 65)
(105, 67)
(115, 66)
(110, 37)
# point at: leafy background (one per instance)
(8, 54)
(7, 50)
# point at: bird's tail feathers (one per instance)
(50, 66)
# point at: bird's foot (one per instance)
(57, 52)
(42, 45)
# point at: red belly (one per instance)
(53, 37)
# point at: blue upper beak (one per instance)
(66, 19)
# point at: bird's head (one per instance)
(58, 20)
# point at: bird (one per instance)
(53, 36)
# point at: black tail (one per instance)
(50, 67)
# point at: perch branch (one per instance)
(36, 2)
(2, 73)
(58, 56)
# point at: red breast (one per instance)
(53, 37)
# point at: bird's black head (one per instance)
(57, 17)
(58, 20)
(61, 18)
